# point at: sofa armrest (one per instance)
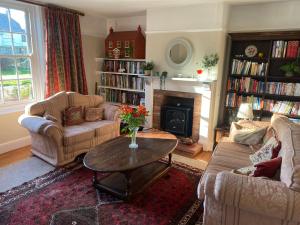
(111, 112)
(256, 195)
(34, 124)
(40, 125)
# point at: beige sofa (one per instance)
(60, 145)
(234, 199)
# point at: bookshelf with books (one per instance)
(255, 75)
(122, 81)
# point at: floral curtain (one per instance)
(64, 61)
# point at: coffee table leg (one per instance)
(128, 184)
(170, 159)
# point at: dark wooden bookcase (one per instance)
(237, 43)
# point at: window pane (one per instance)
(26, 90)
(10, 90)
(20, 44)
(4, 24)
(5, 44)
(24, 68)
(17, 21)
(8, 68)
(1, 100)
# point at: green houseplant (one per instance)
(209, 62)
(148, 67)
(291, 68)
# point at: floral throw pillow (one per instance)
(247, 171)
(93, 114)
(265, 153)
(73, 116)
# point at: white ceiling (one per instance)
(119, 8)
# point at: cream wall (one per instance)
(265, 17)
(126, 23)
(93, 47)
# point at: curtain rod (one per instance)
(51, 5)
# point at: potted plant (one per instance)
(134, 117)
(148, 67)
(290, 69)
(209, 62)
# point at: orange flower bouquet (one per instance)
(134, 117)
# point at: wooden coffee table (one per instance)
(130, 171)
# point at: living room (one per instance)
(149, 112)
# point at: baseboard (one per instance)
(15, 144)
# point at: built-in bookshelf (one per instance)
(257, 77)
(121, 81)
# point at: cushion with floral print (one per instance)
(265, 153)
(73, 116)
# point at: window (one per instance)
(22, 63)
(110, 44)
(119, 44)
(126, 44)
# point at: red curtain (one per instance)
(64, 60)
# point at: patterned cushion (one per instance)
(93, 114)
(248, 170)
(265, 153)
(247, 136)
(73, 116)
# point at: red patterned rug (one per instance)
(66, 196)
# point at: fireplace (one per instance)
(190, 106)
(177, 116)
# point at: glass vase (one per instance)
(133, 133)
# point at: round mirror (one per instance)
(178, 53)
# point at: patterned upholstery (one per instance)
(61, 146)
(233, 199)
(288, 133)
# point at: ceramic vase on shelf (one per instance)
(133, 133)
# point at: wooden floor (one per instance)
(15, 156)
(23, 153)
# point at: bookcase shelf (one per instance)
(121, 81)
(122, 89)
(259, 80)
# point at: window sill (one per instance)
(13, 108)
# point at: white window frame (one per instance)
(38, 65)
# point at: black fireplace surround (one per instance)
(176, 116)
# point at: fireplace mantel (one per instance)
(205, 89)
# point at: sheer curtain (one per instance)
(64, 60)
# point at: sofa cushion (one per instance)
(267, 168)
(76, 99)
(93, 114)
(101, 127)
(227, 156)
(73, 116)
(247, 136)
(77, 133)
(266, 152)
(289, 135)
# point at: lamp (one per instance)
(245, 111)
